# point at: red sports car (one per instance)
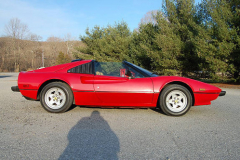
(112, 84)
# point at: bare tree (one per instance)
(149, 17)
(16, 29)
(54, 39)
(18, 32)
(69, 43)
(22, 50)
(34, 37)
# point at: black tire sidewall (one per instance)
(66, 89)
(165, 93)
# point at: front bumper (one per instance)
(222, 93)
(15, 89)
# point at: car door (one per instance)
(120, 90)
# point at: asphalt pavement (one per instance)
(27, 131)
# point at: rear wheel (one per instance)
(56, 97)
(175, 100)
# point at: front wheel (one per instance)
(175, 100)
(56, 97)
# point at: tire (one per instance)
(175, 100)
(56, 97)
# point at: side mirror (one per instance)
(129, 74)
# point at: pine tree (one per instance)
(106, 44)
(215, 45)
(169, 46)
(142, 46)
(63, 58)
(235, 54)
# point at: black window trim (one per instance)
(138, 70)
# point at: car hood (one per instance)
(196, 86)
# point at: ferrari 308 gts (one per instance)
(112, 84)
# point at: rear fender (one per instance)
(42, 85)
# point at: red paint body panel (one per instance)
(29, 93)
(121, 90)
(125, 99)
(210, 92)
(98, 90)
(204, 99)
(86, 99)
(30, 82)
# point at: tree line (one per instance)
(21, 50)
(184, 38)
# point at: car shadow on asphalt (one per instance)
(91, 138)
(158, 110)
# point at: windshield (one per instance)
(142, 70)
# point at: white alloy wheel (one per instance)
(55, 98)
(176, 101)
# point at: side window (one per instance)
(135, 74)
(115, 69)
(84, 68)
(108, 68)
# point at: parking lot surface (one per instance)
(27, 131)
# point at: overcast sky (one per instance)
(61, 17)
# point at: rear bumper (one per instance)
(15, 89)
(222, 93)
